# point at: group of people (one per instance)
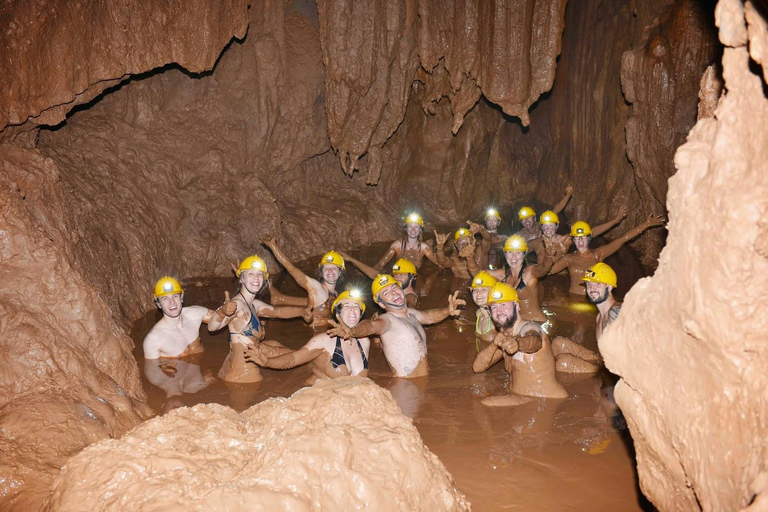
(504, 273)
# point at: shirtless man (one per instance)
(177, 334)
(400, 328)
(527, 217)
(403, 270)
(562, 243)
(464, 260)
(578, 262)
(495, 258)
(323, 290)
(601, 280)
(241, 315)
(331, 356)
(481, 283)
(411, 246)
(524, 278)
(529, 357)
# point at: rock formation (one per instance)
(690, 342)
(342, 444)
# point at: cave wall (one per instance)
(67, 375)
(689, 344)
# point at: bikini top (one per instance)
(338, 354)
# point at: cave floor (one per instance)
(544, 455)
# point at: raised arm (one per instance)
(564, 201)
(443, 260)
(430, 255)
(223, 315)
(386, 258)
(602, 228)
(469, 253)
(268, 311)
(608, 249)
(544, 267)
(300, 277)
(365, 269)
(433, 316)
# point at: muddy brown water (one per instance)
(544, 455)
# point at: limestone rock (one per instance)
(342, 444)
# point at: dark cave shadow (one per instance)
(173, 66)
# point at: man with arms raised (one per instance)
(400, 328)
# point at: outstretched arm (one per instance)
(293, 359)
(559, 265)
(279, 299)
(487, 357)
(300, 277)
(373, 327)
(608, 249)
(564, 201)
(385, 259)
(602, 228)
(365, 269)
(433, 316)
(280, 311)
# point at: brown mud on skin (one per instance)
(555, 455)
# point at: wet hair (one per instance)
(340, 282)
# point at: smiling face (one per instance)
(252, 280)
(514, 258)
(549, 229)
(391, 297)
(597, 293)
(480, 296)
(330, 273)
(504, 314)
(349, 311)
(413, 229)
(170, 305)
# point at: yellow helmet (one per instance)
(461, 232)
(549, 217)
(483, 280)
(167, 285)
(581, 228)
(601, 273)
(403, 266)
(414, 218)
(253, 263)
(353, 295)
(382, 281)
(501, 292)
(515, 243)
(492, 213)
(525, 212)
(332, 258)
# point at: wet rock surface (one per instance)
(342, 444)
(56, 55)
(690, 342)
(67, 378)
